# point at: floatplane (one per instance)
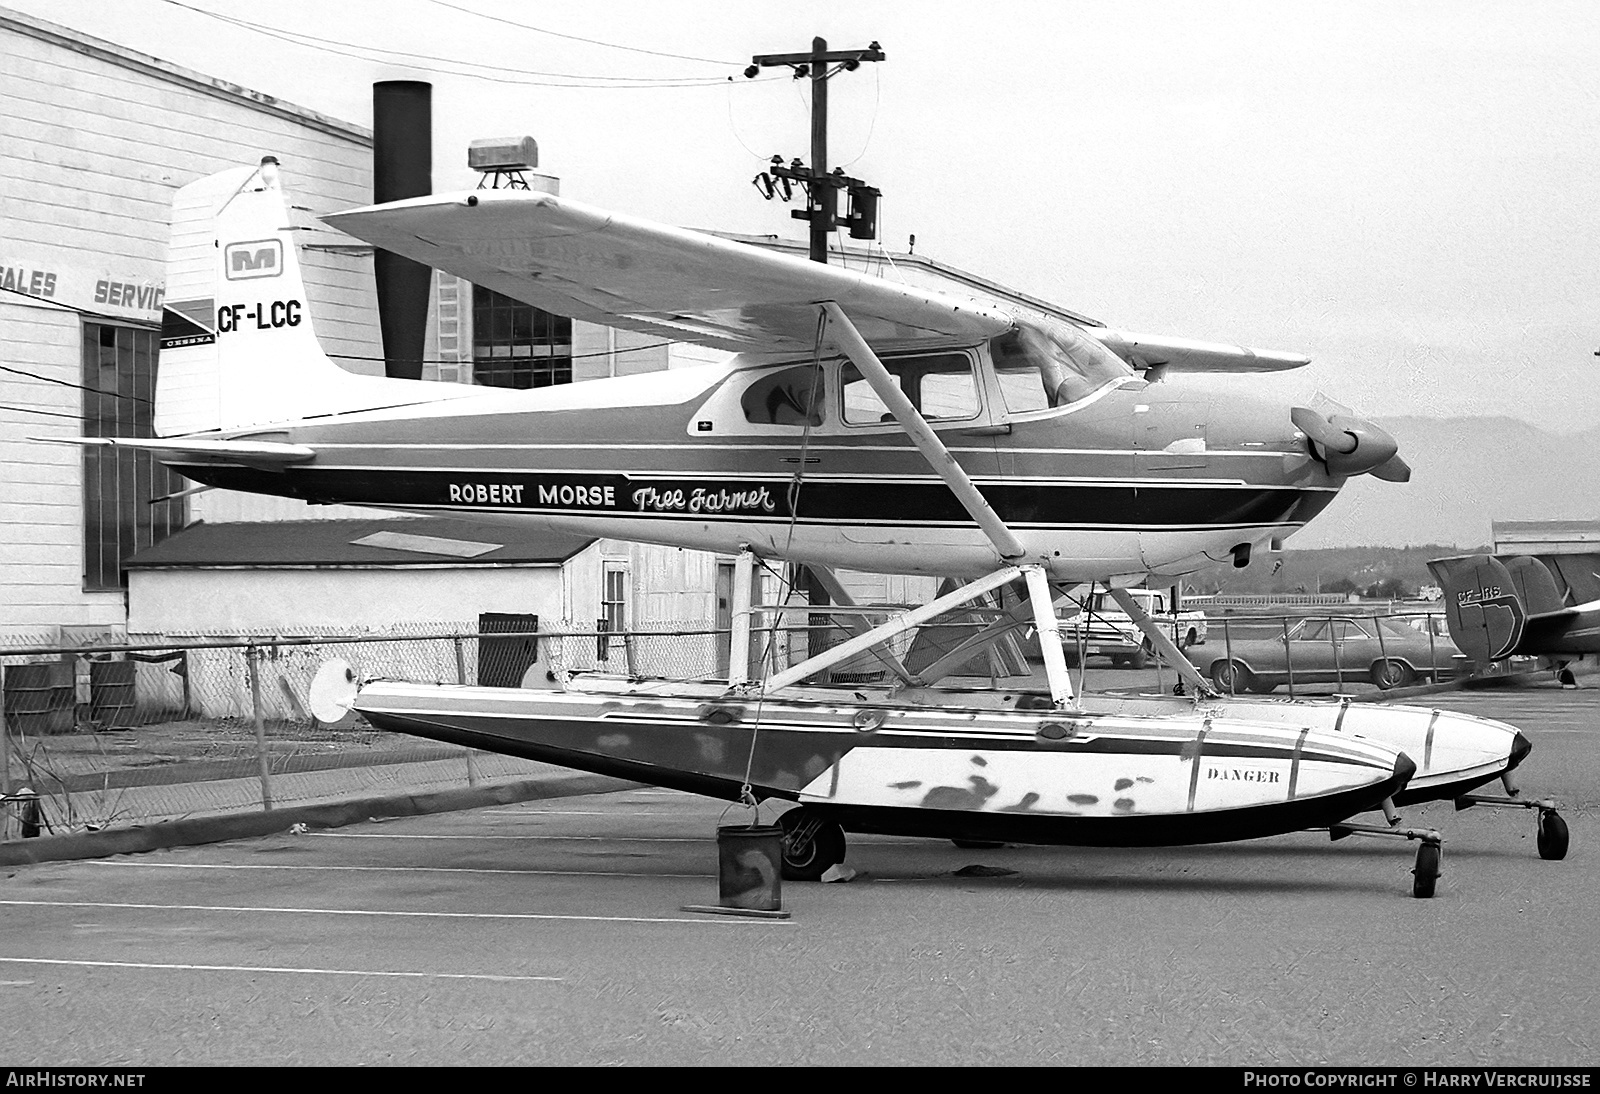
(860, 425)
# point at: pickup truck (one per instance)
(1105, 629)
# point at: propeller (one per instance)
(1350, 445)
(1394, 469)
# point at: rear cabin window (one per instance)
(794, 396)
(940, 386)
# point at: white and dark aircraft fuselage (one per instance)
(1094, 489)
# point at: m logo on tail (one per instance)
(256, 258)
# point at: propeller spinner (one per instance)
(1351, 446)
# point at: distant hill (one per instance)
(1466, 472)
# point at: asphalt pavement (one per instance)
(553, 932)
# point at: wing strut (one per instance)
(1163, 644)
(922, 435)
(1044, 616)
(841, 597)
(882, 633)
(1010, 620)
(1006, 543)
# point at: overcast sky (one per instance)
(1406, 191)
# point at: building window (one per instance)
(119, 377)
(517, 345)
(614, 597)
(614, 614)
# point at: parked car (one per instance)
(1106, 629)
(1337, 650)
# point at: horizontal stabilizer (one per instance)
(686, 286)
(267, 455)
(1535, 584)
(1146, 351)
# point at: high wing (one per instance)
(607, 268)
(1159, 351)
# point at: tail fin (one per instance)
(237, 345)
(1489, 600)
(1485, 613)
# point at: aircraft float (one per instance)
(861, 424)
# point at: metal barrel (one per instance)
(39, 697)
(111, 693)
(750, 867)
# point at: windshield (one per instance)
(1048, 363)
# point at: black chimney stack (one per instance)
(402, 167)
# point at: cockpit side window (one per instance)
(790, 397)
(1041, 365)
(940, 386)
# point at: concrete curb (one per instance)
(217, 828)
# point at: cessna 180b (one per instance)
(862, 424)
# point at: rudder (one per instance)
(237, 345)
(1483, 605)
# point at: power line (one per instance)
(143, 324)
(877, 98)
(453, 65)
(340, 356)
(576, 38)
(48, 413)
(80, 387)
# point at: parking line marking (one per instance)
(376, 869)
(419, 835)
(273, 968)
(893, 841)
(386, 912)
(582, 813)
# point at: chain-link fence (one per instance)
(114, 729)
(122, 729)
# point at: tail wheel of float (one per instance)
(1425, 875)
(1552, 836)
(811, 844)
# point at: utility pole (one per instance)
(822, 189)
